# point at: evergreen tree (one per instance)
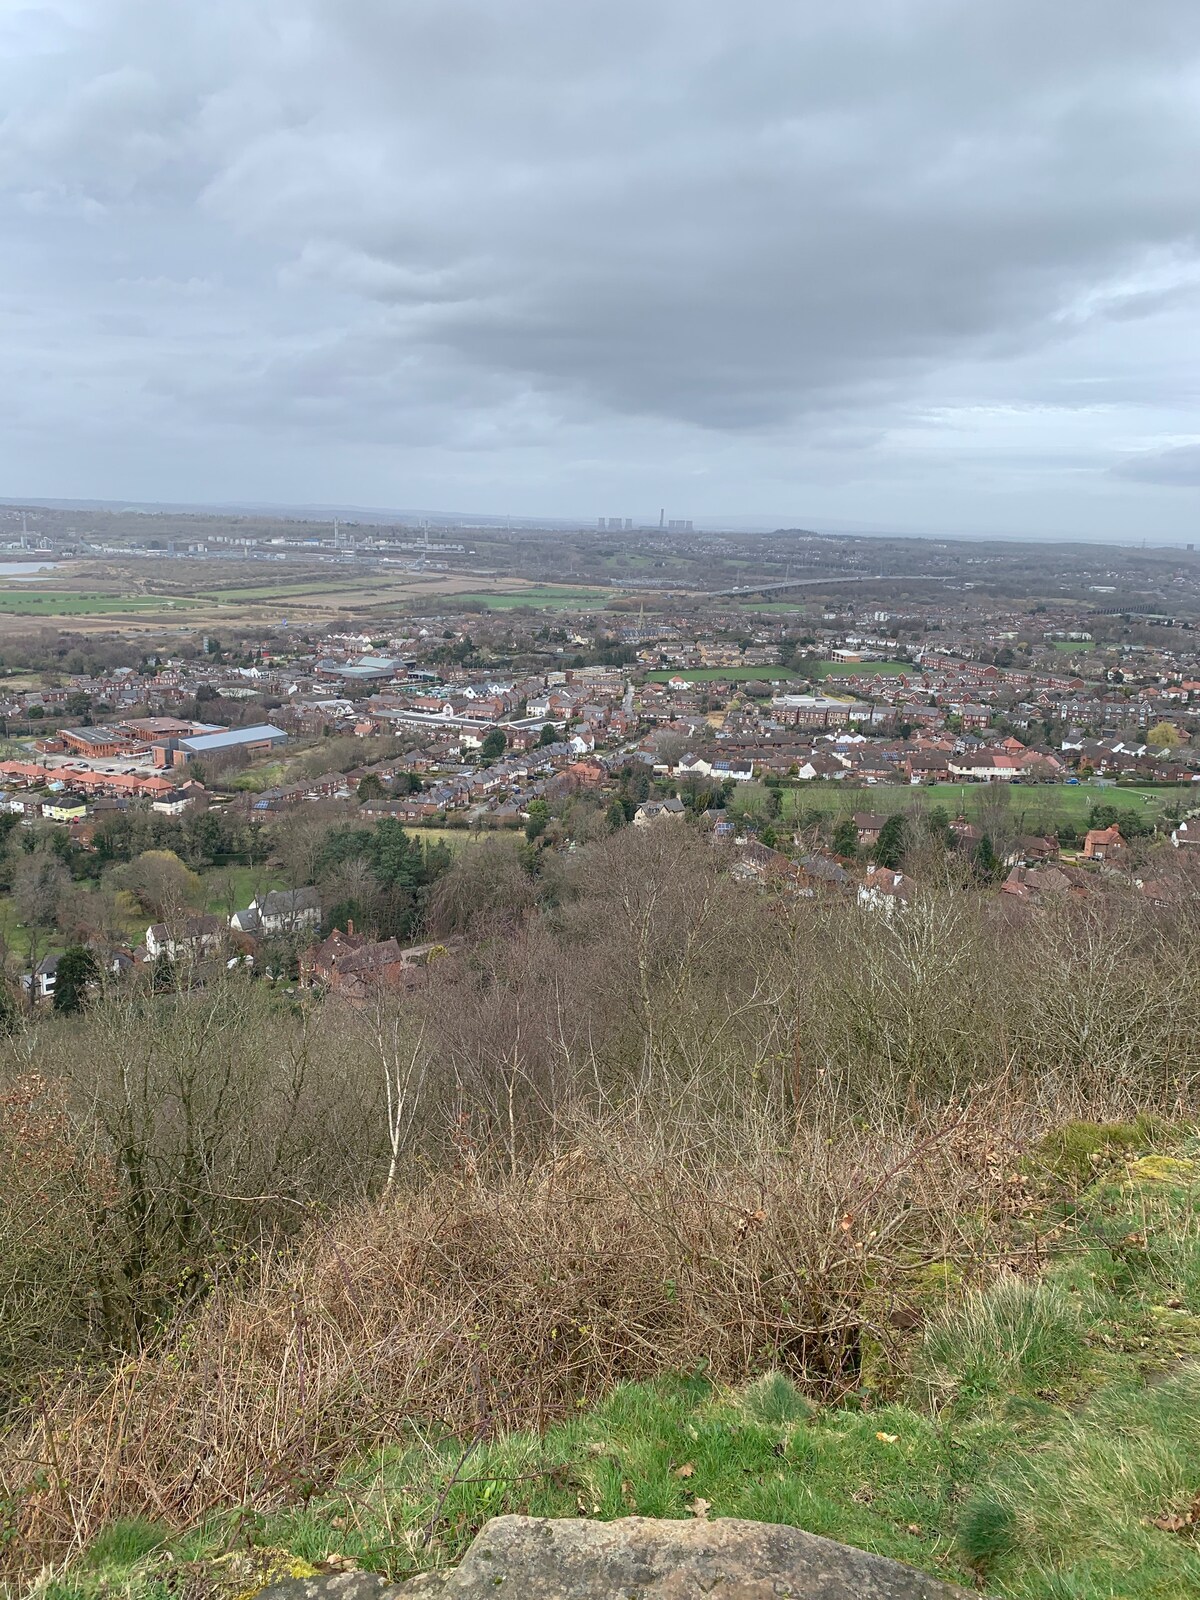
(539, 817)
(494, 746)
(77, 971)
(845, 838)
(889, 848)
(985, 860)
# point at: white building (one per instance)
(280, 911)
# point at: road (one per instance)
(818, 583)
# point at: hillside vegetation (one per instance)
(664, 1194)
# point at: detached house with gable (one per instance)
(281, 911)
(1104, 844)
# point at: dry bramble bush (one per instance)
(660, 1121)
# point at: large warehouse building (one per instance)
(263, 736)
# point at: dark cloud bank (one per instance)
(916, 263)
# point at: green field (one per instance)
(455, 838)
(859, 669)
(1029, 806)
(12, 931)
(45, 603)
(540, 597)
(283, 591)
(724, 674)
(270, 775)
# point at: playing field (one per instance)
(48, 603)
(286, 591)
(545, 597)
(1030, 807)
(455, 838)
(723, 674)
(859, 669)
(377, 591)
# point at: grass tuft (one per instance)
(1015, 1337)
(774, 1398)
(987, 1532)
(123, 1544)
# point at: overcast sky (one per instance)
(912, 264)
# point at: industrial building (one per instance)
(263, 736)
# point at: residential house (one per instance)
(176, 802)
(43, 979)
(1104, 844)
(985, 766)
(66, 808)
(652, 811)
(1032, 849)
(869, 826)
(885, 891)
(195, 936)
(1035, 883)
(280, 911)
(353, 967)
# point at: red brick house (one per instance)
(1104, 844)
(355, 968)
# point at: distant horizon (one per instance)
(916, 269)
(741, 524)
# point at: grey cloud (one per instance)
(1176, 468)
(756, 238)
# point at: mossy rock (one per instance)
(1077, 1151)
(1177, 1170)
(240, 1576)
(936, 1282)
(876, 1373)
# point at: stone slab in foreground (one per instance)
(638, 1558)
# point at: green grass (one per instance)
(246, 882)
(540, 597)
(13, 931)
(256, 779)
(454, 837)
(1027, 1439)
(45, 603)
(860, 669)
(723, 674)
(295, 589)
(1029, 806)
(1071, 647)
